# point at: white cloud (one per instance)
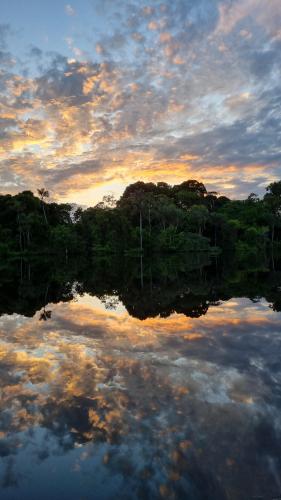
(69, 10)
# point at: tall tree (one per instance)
(44, 194)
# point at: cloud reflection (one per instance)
(174, 405)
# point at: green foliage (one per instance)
(148, 218)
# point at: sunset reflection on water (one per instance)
(98, 404)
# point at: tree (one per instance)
(44, 194)
(136, 199)
(197, 217)
(192, 186)
(149, 217)
(253, 198)
(274, 189)
(216, 220)
(272, 199)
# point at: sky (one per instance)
(97, 94)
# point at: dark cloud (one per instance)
(62, 80)
(264, 62)
(36, 52)
(71, 170)
(173, 79)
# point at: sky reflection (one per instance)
(98, 404)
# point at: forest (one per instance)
(148, 218)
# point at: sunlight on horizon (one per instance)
(96, 96)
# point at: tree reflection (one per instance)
(176, 408)
(186, 285)
(44, 315)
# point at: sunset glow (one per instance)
(96, 94)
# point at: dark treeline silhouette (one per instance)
(148, 218)
(147, 287)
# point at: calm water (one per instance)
(97, 403)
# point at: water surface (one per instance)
(180, 398)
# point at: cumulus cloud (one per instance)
(189, 84)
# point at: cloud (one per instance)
(234, 13)
(6, 58)
(265, 61)
(36, 52)
(193, 85)
(69, 10)
(81, 379)
(5, 31)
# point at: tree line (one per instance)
(163, 285)
(148, 218)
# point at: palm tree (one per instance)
(43, 193)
